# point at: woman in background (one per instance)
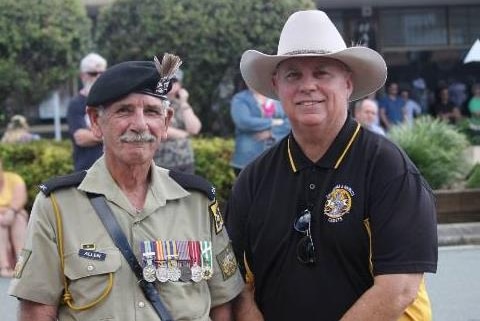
(13, 219)
(259, 123)
(18, 131)
(176, 153)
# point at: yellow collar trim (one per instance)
(337, 164)
(357, 130)
(294, 168)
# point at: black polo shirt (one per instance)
(372, 213)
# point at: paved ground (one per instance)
(454, 290)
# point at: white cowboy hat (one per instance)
(312, 34)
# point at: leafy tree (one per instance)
(41, 43)
(210, 36)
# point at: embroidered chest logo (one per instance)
(339, 203)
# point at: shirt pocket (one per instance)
(187, 301)
(88, 278)
(77, 267)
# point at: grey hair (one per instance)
(92, 62)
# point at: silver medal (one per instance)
(162, 273)
(196, 273)
(149, 273)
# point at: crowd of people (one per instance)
(449, 103)
(327, 218)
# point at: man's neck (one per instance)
(133, 181)
(315, 143)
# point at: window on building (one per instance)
(413, 27)
(464, 25)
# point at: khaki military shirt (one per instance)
(170, 213)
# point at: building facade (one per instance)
(419, 39)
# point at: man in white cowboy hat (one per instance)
(334, 222)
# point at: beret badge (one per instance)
(167, 68)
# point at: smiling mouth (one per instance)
(309, 103)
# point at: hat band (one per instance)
(307, 51)
(151, 93)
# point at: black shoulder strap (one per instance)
(62, 182)
(198, 183)
(118, 237)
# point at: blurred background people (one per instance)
(444, 108)
(366, 113)
(457, 92)
(391, 107)
(86, 147)
(412, 109)
(13, 219)
(176, 153)
(474, 107)
(18, 131)
(259, 123)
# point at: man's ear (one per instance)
(94, 116)
(349, 83)
(274, 82)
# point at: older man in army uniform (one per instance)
(71, 268)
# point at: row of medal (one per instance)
(176, 260)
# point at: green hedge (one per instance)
(37, 161)
(436, 148)
(40, 160)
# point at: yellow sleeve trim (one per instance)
(249, 278)
(420, 309)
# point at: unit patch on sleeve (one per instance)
(22, 260)
(217, 216)
(227, 262)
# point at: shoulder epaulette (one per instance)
(62, 182)
(195, 182)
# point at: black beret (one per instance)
(122, 79)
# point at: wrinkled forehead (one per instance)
(309, 62)
(139, 100)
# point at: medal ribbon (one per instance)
(147, 252)
(183, 255)
(172, 253)
(194, 253)
(165, 252)
(206, 254)
(159, 251)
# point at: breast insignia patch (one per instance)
(217, 216)
(227, 262)
(339, 203)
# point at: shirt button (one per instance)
(90, 268)
(141, 304)
(312, 186)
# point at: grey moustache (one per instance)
(137, 138)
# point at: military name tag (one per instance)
(92, 255)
